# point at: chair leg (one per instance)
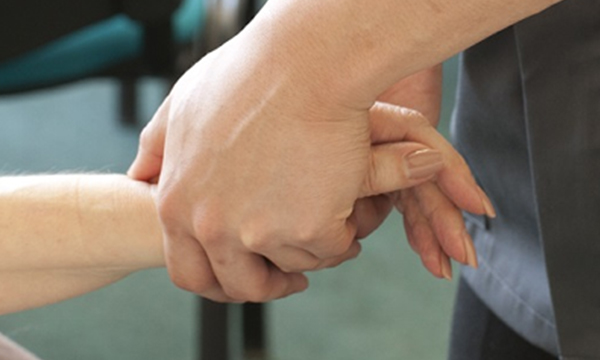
(254, 331)
(214, 334)
(128, 101)
(159, 49)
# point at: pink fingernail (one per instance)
(470, 249)
(446, 267)
(487, 204)
(423, 163)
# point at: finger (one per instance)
(455, 179)
(291, 259)
(148, 162)
(352, 253)
(390, 123)
(333, 241)
(396, 166)
(421, 237)
(345, 248)
(189, 268)
(447, 223)
(370, 213)
(246, 276)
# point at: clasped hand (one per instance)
(259, 184)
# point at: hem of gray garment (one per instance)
(578, 358)
(519, 315)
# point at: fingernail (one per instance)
(446, 267)
(487, 204)
(470, 249)
(423, 163)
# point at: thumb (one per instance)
(394, 162)
(396, 166)
(148, 162)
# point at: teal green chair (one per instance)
(126, 40)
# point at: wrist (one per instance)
(134, 235)
(353, 50)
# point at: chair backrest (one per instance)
(28, 24)
(43, 47)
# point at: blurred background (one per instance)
(381, 306)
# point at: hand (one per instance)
(260, 170)
(433, 223)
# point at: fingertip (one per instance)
(297, 283)
(133, 173)
(487, 203)
(463, 191)
(433, 265)
(145, 167)
(471, 254)
(302, 282)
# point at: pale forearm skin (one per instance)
(64, 235)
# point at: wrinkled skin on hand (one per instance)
(433, 222)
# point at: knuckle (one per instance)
(209, 229)
(205, 223)
(208, 223)
(256, 244)
(304, 235)
(167, 206)
(255, 238)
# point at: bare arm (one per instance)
(64, 235)
(359, 48)
(293, 91)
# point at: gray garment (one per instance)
(11, 351)
(528, 123)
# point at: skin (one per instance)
(65, 235)
(279, 116)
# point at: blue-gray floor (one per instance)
(382, 306)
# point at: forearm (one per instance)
(63, 235)
(359, 48)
